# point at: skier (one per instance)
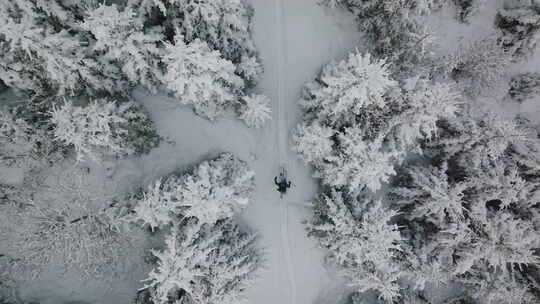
(282, 184)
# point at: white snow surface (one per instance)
(295, 39)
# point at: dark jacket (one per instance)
(283, 185)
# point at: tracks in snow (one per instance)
(281, 144)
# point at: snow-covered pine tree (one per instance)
(425, 103)
(314, 143)
(103, 128)
(225, 25)
(154, 207)
(255, 110)
(432, 197)
(200, 77)
(120, 39)
(344, 89)
(499, 240)
(359, 163)
(65, 217)
(472, 207)
(478, 66)
(520, 26)
(63, 48)
(503, 185)
(214, 190)
(347, 101)
(425, 267)
(468, 8)
(230, 33)
(525, 152)
(212, 263)
(394, 28)
(25, 137)
(26, 150)
(362, 119)
(418, 6)
(525, 86)
(473, 139)
(41, 51)
(364, 244)
(497, 288)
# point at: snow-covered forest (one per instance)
(140, 141)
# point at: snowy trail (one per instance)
(295, 39)
(281, 135)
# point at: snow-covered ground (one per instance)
(295, 39)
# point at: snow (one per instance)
(295, 39)
(294, 271)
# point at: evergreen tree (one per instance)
(474, 139)
(525, 86)
(67, 218)
(200, 77)
(347, 87)
(364, 245)
(103, 128)
(365, 120)
(120, 39)
(255, 110)
(154, 207)
(478, 66)
(360, 163)
(225, 25)
(394, 28)
(214, 190)
(41, 52)
(432, 196)
(473, 212)
(468, 8)
(497, 288)
(212, 263)
(520, 26)
(314, 143)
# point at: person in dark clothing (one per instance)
(282, 184)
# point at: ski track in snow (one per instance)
(282, 157)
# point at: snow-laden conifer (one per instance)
(120, 38)
(212, 263)
(255, 110)
(103, 127)
(200, 77)
(367, 121)
(214, 190)
(364, 245)
(520, 27)
(225, 25)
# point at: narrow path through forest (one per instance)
(295, 39)
(281, 144)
